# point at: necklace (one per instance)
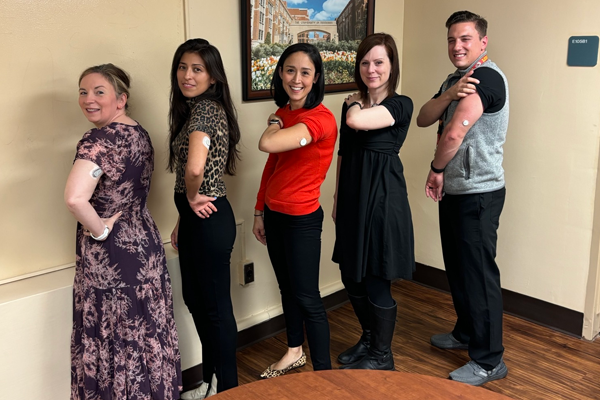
(370, 100)
(373, 104)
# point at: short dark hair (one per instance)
(317, 93)
(387, 41)
(118, 78)
(467, 16)
(219, 92)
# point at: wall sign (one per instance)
(583, 51)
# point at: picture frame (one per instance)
(269, 26)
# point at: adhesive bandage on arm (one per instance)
(96, 172)
(206, 142)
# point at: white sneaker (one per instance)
(213, 387)
(196, 394)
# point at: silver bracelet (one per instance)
(104, 234)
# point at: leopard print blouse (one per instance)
(206, 116)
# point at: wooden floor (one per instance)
(543, 364)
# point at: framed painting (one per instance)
(335, 27)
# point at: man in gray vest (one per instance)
(467, 179)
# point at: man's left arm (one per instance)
(468, 111)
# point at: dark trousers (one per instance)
(205, 247)
(378, 290)
(294, 245)
(468, 227)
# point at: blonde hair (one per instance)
(118, 78)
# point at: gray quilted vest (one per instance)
(477, 165)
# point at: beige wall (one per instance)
(545, 248)
(551, 155)
(44, 46)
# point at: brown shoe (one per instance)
(274, 373)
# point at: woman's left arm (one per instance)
(82, 182)
(277, 138)
(363, 119)
(194, 174)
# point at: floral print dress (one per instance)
(124, 343)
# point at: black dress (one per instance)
(374, 231)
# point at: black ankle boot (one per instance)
(379, 356)
(360, 349)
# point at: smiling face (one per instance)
(375, 69)
(99, 101)
(192, 76)
(464, 44)
(298, 76)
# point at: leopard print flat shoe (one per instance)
(274, 373)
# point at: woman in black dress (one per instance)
(374, 234)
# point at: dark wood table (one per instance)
(356, 384)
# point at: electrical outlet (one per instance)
(246, 272)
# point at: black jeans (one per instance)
(468, 227)
(205, 247)
(294, 245)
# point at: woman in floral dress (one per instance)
(124, 341)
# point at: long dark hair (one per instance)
(387, 41)
(317, 93)
(180, 110)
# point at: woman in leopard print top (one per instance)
(203, 139)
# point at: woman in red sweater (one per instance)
(300, 139)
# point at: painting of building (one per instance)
(273, 21)
(351, 23)
(334, 27)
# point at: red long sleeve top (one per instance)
(291, 181)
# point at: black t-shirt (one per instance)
(491, 89)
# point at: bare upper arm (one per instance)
(468, 111)
(199, 145)
(82, 180)
(286, 139)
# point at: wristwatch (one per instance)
(437, 170)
